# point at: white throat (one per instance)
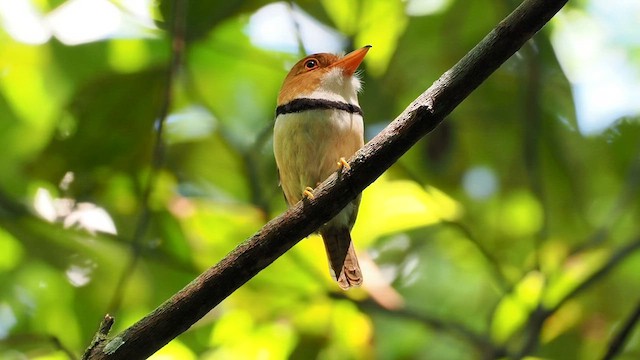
(336, 86)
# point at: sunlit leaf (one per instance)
(381, 24)
(213, 229)
(237, 336)
(576, 269)
(129, 55)
(566, 318)
(58, 355)
(514, 309)
(11, 251)
(520, 215)
(342, 13)
(390, 206)
(174, 350)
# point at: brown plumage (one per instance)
(318, 125)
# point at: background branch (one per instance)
(32, 339)
(194, 301)
(618, 341)
(157, 159)
(541, 314)
(480, 342)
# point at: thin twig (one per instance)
(540, 314)
(31, 339)
(494, 265)
(533, 128)
(302, 50)
(100, 336)
(251, 157)
(621, 254)
(617, 342)
(482, 343)
(626, 197)
(177, 54)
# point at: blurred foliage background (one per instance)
(511, 230)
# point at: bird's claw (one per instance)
(308, 193)
(343, 164)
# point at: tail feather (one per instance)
(343, 261)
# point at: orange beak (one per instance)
(352, 60)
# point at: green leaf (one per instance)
(514, 309)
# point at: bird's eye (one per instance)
(311, 64)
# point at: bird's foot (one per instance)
(343, 164)
(308, 193)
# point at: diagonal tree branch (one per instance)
(194, 301)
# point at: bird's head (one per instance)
(324, 76)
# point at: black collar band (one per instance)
(304, 104)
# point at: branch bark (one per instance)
(195, 300)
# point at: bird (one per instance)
(319, 124)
